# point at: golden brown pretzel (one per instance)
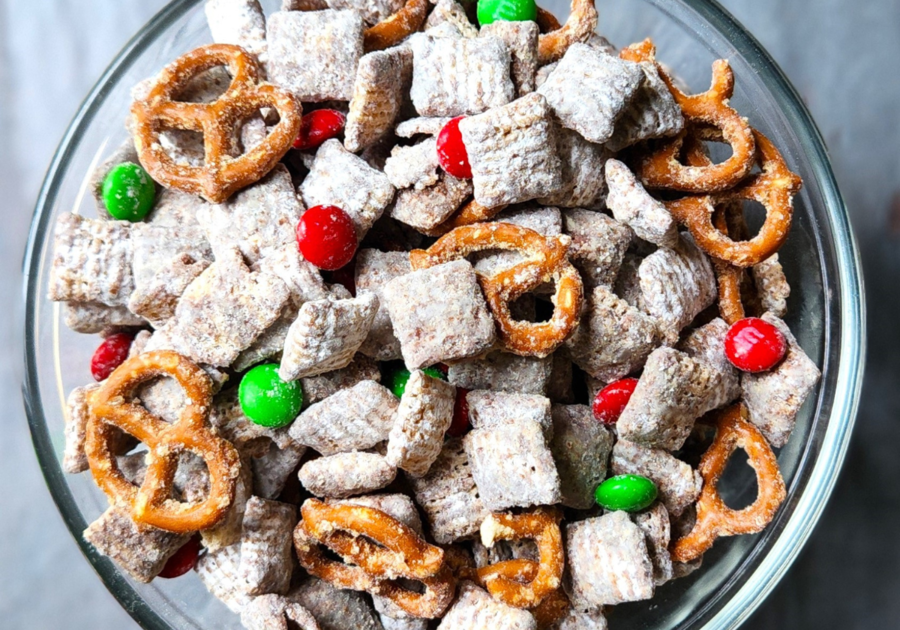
(582, 23)
(394, 29)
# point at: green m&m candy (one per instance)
(398, 379)
(507, 10)
(630, 493)
(266, 399)
(128, 192)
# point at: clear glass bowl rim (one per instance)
(729, 612)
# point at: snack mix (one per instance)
(413, 324)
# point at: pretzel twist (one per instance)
(397, 27)
(151, 503)
(579, 27)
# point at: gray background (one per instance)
(842, 55)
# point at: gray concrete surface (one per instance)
(842, 56)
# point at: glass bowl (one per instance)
(820, 258)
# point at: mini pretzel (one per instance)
(524, 583)
(714, 518)
(221, 174)
(394, 29)
(579, 27)
(545, 261)
(553, 608)
(470, 214)
(151, 503)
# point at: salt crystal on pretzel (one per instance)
(502, 371)
(374, 269)
(490, 409)
(448, 495)
(335, 609)
(581, 448)
(358, 417)
(426, 208)
(512, 151)
(583, 182)
(266, 547)
(522, 40)
(346, 474)
(423, 417)
(380, 89)
(774, 398)
(318, 388)
(608, 561)
(512, 466)
(326, 335)
(77, 414)
(454, 77)
(91, 261)
(414, 166)
(439, 314)
(707, 343)
(239, 22)
(474, 608)
(445, 11)
(614, 338)
(274, 612)
(633, 206)
(314, 54)
(94, 317)
(589, 90)
(219, 570)
(141, 552)
(424, 125)
(771, 285)
(678, 484)
(653, 113)
(340, 178)
(598, 246)
(673, 391)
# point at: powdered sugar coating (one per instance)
(677, 483)
(772, 286)
(374, 269)
(77, 415)
(372, 11)
(335, 609)
(426, 208)
(544, 221)
(707, 343)
(273, 612)
(522, 40)
(633, 206)
(655, 524)
(598, 246)
(581, 446)
(382, 82)
(220, 573)
(93, 317)
(346, 474)
(652, 113)
(583, 184)
(238, 22)
(413, 166)
(450, 11)
(318, 388)
(425, 125)
(474, 608)
(489, 409)
(266, 546)
(501, 371)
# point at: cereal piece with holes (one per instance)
(335, 609)
(652, 113)
(707, 343)
(238, 22)
(439, 314)
(589, 90)
(614, 338)
(774, 398)
(633, 206)
(598, 244)
(413, 166)
(358, 417)
(274, 612)
(423, 417)
(379, 91)
(608, 561)
(318, 388)
(677, 483)
(266, 546)
(220, 573)
(448, 495)
(474, 608)
(544, 221)
(426, 208)
(92, 317)
(581, 446)
(522, 40)
(673, 391)
(346, 474)
(314, 54)
(454, 13)
(489, 409)
(374, 269)
(455, 77)
(583, 183)
(657, 532)
(771, 285)
(512, 150)
(501, 371)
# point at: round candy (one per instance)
(326, 237)
(266, 399)
(630, 493)
(398, 378)
(610, 401)
(183, 560)
(109, 355)
(318, 126)
(754, 345)
(507, 10)
(452, 154)
(128, 192)
(460, 423)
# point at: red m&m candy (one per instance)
(611, 401)
(326, 237)
(183, 560)
(109, 355)
(754, 345)
(460, 422)
(318, 126)
(452, 154)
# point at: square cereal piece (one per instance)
(439, 314)
(222, 312)
(140, 552)
(267, 551)
(274, 612)
(544, 221)
(220, 573)
(423, 417)
(401, 623)
(424, 125)
(374, 269)
(341, 179)
(415, 166)
(678, 484)
(652, 113)
(326, 335)
(346, 474)
(272, 468)
(589, 89)
(598, 246)
(581, 448)
(608, 561)
(426, 208)
(582, 619)
(318, 388)
(774, 398)
(512, 150)
(522, 40)
(583, 183)
(489, 409)
(94, 317)
(771, 285)
(372, 11)
(358, 417)
(91, 261)
(512, 466)
(501, 371)
(613, 339)
(448, 495)
(238, 22)
(259, 220)
(676, 285)
(633, 206)
(335, 609)
(379, 90)
(657, 532)
(174, 208)
(314, 54)
(445, 11)
(474, 608)
(303, 279)
(707, 343)
(77, 414)
(456, 77)
(673, 391)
